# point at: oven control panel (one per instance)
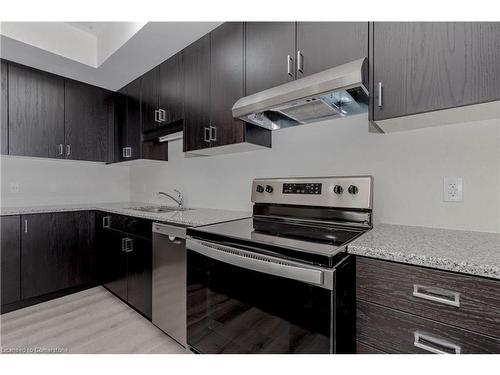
(341, 192)
(302, 188)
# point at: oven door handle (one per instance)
(256, 262)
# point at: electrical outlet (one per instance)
(453, 188)
(14, 187)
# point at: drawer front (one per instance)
(465, 301)
(362, 348)
(127, 224)
(397, 332)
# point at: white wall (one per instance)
(45, 182)
(408, 169)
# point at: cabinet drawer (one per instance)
(465, 301)
(397, 332)
(127, 224)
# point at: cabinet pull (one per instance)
(106, 221)
(25, 226)
(434, 344)
(213, 133)
(206, 137)
(68, 150)
(380, 94)
(300, 62)
(436, 295)
(157, 115)
(61, 149)
(127, 152)
(163, 115)
(127, 244)
(289, 65)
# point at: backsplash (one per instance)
(34, 182)
(408, 169)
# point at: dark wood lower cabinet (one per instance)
(139, 281)
(10, 259)
(113, 263)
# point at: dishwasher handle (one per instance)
(172, 231)
(256, 262)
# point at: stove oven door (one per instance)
(243, 302)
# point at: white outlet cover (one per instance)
(14, 187)
(453, 189)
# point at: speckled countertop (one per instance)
(475, 253)
(192, 217)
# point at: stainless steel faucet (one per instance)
(179, 200)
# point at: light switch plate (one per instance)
(453, 189)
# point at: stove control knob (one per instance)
(337, 189)
(260, 189)
(269, 189)
(353, 189)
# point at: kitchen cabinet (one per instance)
(324, 45)
(88, 120)
(56, 252)
(128, 122)
(149, 99)
(197, 94)
(427, 66)
(10, 259)
(125, 249)
(270, 55)
(214, 81)
(170, 90)
(409, 309)
(35, 112)
(4, 128)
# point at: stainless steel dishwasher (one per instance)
(169, 280)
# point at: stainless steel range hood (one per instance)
(337, 92)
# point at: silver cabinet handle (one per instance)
(380, 94)
(206, 134)
(157, 115)
(213, 133)
(436, 295)
(300, 62)
(61, 149)
(106, 221)
(434, 344)
(68, 150)
(127, 244)
(25, 226)
(162, 115)
(289, 65)
(127, 152)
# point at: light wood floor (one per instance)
(91, 321)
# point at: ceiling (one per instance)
(105, 54)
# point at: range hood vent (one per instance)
(337, 92)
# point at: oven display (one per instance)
(308, 188)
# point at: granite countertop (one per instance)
(475, 253)
(191, 217)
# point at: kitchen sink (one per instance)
(158, 209)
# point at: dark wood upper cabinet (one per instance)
(4, 125)
(324, 45)
(128, 134)
(36, 112)
(427, 66)
(150, 83)
(270, 55)
(197, 94)
(88, 118)
(170, 92)
(226, 81)
(10, 259)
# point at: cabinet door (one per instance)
(72, 236)
(112, 261)
(120, 121)
(140, 274)
(227, 81)
(196, 94)
(88, 120)
(128, 122)
(149, 98)
(42, 261)
(324, 45)
(426, 66)
(171, 82)
(4, 127)
(36, 112)
(269, 47)
(10, 259)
